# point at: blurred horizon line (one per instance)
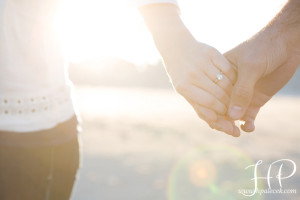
(118, 72)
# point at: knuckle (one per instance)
(228, 85)
(193, 74)
(254, 63)
(227, 69)
(200, 114)
(181, 87)
(242, 92)
(231, 73)
(217, 106)
(222, 110)
(225, 98)
(210, 102)
(211, 50)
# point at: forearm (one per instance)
(191, 65)
(277, 44)
(287, 26)
(166, 26)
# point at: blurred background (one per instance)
(141, 140)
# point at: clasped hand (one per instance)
(252, 73)
(233, 86)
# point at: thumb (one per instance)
(242, 94)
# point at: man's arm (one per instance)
(288, 23)
(265, 62)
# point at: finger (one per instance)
(206, 114)
(203, 98)
(209, 86)
(249, 119)
(258, 100)
(236, 131)
(224, 65)
(225, 125)
(225, 83)
(248, 126)
(242, 94)
(216, 122)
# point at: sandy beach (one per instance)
(143, 144)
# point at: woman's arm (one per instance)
(191, 65)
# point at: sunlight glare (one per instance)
(92, 29)
(99, 28)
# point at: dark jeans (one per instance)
(42, 172)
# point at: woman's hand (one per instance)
(193, 67)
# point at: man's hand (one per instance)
(254, 59)
(272, 80)
(271, 55)
(264, 90)
(264, 67)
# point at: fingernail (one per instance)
(236, 112)
(236, 132)
(249, 126)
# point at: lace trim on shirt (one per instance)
(34, 104)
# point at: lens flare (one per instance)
(212, 173)
(202, 173)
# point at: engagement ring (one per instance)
(219, 76)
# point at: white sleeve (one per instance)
(140, 3)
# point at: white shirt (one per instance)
(35, 92)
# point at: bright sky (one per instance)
(101, 28)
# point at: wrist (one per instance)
(287, 26)
(166, 26)
(172, 39)
(282, 47)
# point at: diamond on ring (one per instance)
(220, 76)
